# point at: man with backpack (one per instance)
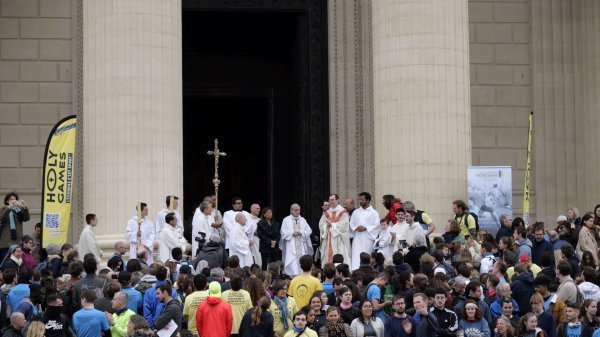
(374, 294)
(152, 305)
(442, 266)
(91, 281)
(467, 221)
(567, 290)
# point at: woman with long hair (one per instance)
(366, 325)
(589, 308)
(597, 215)
(254, 286)
(587, 260)
(427, 265)
(282, 308)
(588, 237)
(36, 329)
(504, 328)
(335, 325)
(138, 327)
(472, 322)
(347, 310)
(505, 243)
(528, 326)
(258, 321)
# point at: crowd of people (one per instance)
(359, 275)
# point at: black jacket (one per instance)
(264, 329)
(171, 311)
(447, 322)
(586, 330)
(9, 331)
(57, 324)
(267, 233)
(502, 232)
(9, 263)
(522, 289)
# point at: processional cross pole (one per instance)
(216, 153)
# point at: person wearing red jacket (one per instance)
(214, 317)
(392, 204)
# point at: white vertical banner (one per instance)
(490, 195)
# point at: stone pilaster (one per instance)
(422, 119)
(133, 109)
(350, 97)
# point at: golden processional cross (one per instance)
(216, 153)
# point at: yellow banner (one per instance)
(526, 195)
(59, 162)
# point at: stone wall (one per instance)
(501, 92)
(35, 90)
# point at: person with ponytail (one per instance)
(335, 326)
(258, 321)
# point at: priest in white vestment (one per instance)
(240, 244)
(203, 222)
(295, 241)
(145, 233)
(251, 229)
(170, 238)
(229, 218)
(364, 223)
(334, 230)
(160, 216)
(87, 240)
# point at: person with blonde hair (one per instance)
(138, 327)
(36, 329)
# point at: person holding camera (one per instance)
(212, 252)
(12, 216)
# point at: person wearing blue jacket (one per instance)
(503, 291)
(152, 306)
(472, 322)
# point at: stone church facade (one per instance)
(418, 91)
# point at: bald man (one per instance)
(239, 244)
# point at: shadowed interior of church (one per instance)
(243, 84)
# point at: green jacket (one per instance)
(119, 329)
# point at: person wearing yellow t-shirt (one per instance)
(464, 218)
(240, 302)
(304, 286)
(282, 308)
(192, 300)
(300, 329)
(525, 259)
(422, 217)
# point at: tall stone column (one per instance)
(132, 109)
(590, 87)
(422, 116)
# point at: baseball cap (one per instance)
(561, 218)
(524, 258)
(214, 289)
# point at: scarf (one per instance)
(336, 329)
(17, 261)
(284, 314)
(13, 224)
(344, 306)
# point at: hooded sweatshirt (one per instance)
(590, 291)
(522, 289)
(214, 318)
(524, 248)
(479, 328)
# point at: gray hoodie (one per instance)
(589, 291)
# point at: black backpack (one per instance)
(450, 271)
(466, 215)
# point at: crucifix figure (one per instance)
(216, 153)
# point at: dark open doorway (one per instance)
(254, 77)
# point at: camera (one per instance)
(201, 239)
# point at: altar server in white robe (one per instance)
(251, 232)
(203, 222)
(160, 216)
(170, 238)
(334, 229)
(383, 244)
(240, 244)
(295, 241)
(364, 223)
(145, 232)
(87, 239)
(229, 218)
(400, 229)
